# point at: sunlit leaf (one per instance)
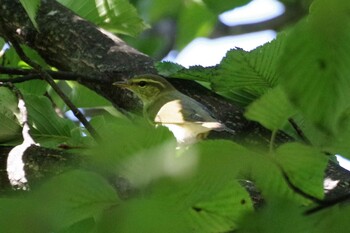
(117, 16)
(286, 217)
(244, 76)
(254, 70)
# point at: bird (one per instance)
(188, 120)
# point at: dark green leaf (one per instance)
(314, 64)
(305, 167)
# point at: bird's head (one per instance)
(147, 87)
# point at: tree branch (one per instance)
(31, 74)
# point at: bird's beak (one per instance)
(121, 84)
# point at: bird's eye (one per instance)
(142, 84)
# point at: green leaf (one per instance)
(47, 127)
(340, 143)
(75, 196)
(20, 215)
(117, 16)
(10, 128)
(219, 6)
(305, 167)
(147, 215)
(168, 68)
(31, 7)
(134, 142)
(287, 217)
(314, 65)
(220, 212)
(195, 185)
(195, 20)
(244, 76)
(196, 73)
(272, 110)
(83, 97)
(254, 70)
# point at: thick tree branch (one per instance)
(37, 168)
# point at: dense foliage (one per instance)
(303, 75)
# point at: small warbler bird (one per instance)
(186, 118)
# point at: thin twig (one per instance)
(47, 77)
(328, 204)
(31, 74)
(299, 131)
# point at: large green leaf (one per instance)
(272, 110)
(244, 76)
(277, 216)
(10, 128)
(143, 215)
(20, 215)
(305, 167)
(117, 16)
(314, 66)
(75, 196)
(221, 211)
(131, 142)
(31, 7)
(254, 70)
(197, 185)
